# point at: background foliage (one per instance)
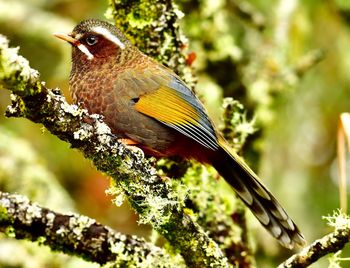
(258, 52)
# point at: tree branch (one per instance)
(76, 235)
(330, 243)
(150, 195)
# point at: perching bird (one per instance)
(147, 105)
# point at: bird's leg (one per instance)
(131, 145)
(128, 142)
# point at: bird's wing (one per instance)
(174, 104)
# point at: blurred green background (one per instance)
(259, 52)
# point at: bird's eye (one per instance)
(91, 40)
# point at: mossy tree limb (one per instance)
(150, 195)
(76, 235)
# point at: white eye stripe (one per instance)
(107, 34)
(84, 49)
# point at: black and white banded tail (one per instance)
(257, 197)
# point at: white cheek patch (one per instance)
(107, 34)
(84, 49)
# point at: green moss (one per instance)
(15, 72)
(144, 15)
(3, 214)
(10, 231)
(236, 127)
(41, 240)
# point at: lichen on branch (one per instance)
(331, 243)
(77, 235)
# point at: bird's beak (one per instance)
(67, 38)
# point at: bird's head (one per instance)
(95, 40)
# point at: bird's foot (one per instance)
(131, 145)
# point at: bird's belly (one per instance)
(149, 134)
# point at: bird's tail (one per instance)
(257, 197)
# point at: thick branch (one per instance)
(150, 195)
(76, 235)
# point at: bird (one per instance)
(148, 106)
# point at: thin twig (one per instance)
(330, 243)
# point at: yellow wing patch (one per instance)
(171, 108)
(165, 105)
